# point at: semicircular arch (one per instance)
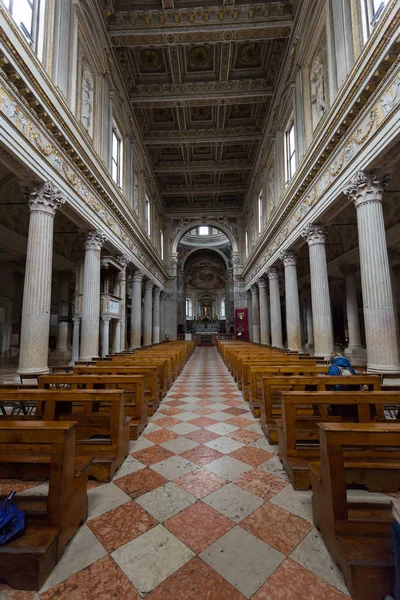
(209, 223)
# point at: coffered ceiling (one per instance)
(200, 76)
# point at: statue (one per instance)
(271, 183)
(317, 90)
(87, 97)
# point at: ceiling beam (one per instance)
(203, 89)
(201, 100)
(203, 190)
(214, 137)
(205, 167)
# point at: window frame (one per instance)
(260, 212)
(205, 232)
(189, 309)
(162, 244)
(290, 153)
(148, 216)
(371, 15)
(223, 308)
(31, 38)
(118, 161)
(246, 243)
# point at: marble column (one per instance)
(293, 323)
(136, 310)
(255, 314)
(275, 305)
(124, 260)
(75, 340)
(43, 200)
(366, 191)
(354, 348)
(156, 315)
(62, 326)
(320, 299)
(148, 311)
(162, 316)
(105, 336)
(249, 314)
(264, 312)
(309, 324)
(91, 296)
(117, 341)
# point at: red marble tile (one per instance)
(234, 410)
(176, 402)
(161, 436)
(204, 411)
(244, 435)
(239, 422)
(202, 436)
(195, 581)
(152, 455)
(251, 456)
(103, 580)
(167, 422)
(166, 410)
(204, 403)
(202, 455)
(200, 483)
(234, 402)
(199, 526)
(141, 482)
(121, 525)
(203, 421)
(277, 527)
(92, 484)
(17, 485)
(261, 483)
(292, 582)
(7, 593)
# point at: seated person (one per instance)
(341, 366)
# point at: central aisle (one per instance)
(201, 510)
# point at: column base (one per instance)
(33, 371)
(88, 358)
(383, 369)
(62, 354)
(357, 355)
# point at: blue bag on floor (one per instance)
(12, 520)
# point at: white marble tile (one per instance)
(151, 558)
(141, 444)
(295, 501)
(83, 550)
(38, 490)
(174, 467)
(179, 445)
(104, 498)
(151, 427)
(224, 445)
(255, 428)
(131, 465)
(166, 501)
(274, 466)
(218, 415)
(221, 428)
(233, 502)
(243, 560)
(263, 444)
(184, 428)
(312, 554)
(186, 416)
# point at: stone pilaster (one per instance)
(43, 200)
(366, 191)
(255, 314)
(136, 310)
(117, 341)
(275, 304)
(293, 323)
(105, 336)
(156, 315)
(354, 349)
(249, 314)
(148, 313)
(264, 311)
(320, 299)
(124, 260)
(94, 241)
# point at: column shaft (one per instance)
(122, 292)
(148, 313)
(62, 329)
(136, 310)
(91, 296)
(264, 312)
(293, 324)
(105, 336)
(75, 340)
(275, 304)
(250, 314)
(35, 320)
(117, 341)
(156, 316)
(255, 314)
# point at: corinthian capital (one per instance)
(365, 188)
(123, 260)
(95, 240)
(254, 289)
(314, 234)
(272, 273)
(148, 285)
(262, 283)
(44, 197)
(137, 276)
(157, 291)
(288, 258)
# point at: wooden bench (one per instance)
(298, 434)
(164, 368)
(102, 430)
(135, 406)
(272, 386)
(52, 520)
(358, 534)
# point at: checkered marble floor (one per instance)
(200, 510)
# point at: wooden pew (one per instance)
(143, 389)
(298, 434)
(133, 386)
(271, 409)
(51, 521)
(164, 368)
(358, 535)
(102, 430)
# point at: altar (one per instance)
(206, 338)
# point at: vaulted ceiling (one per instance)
(200, 75)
